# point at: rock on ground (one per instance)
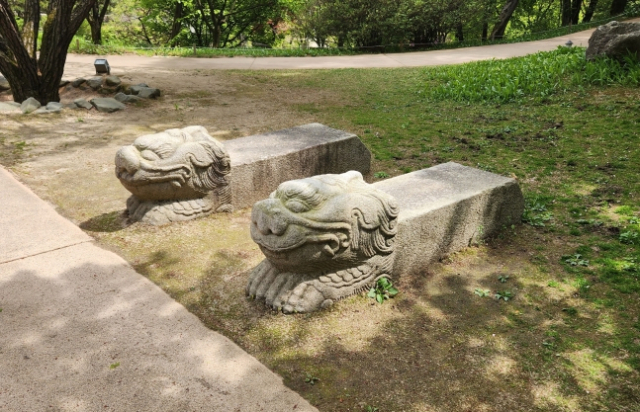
(126, 98)
(77, 82)
(149, 93)
(113, 81)
(615, 40)
(95, 82)
(7, 107)
(107, 104)
(82, 103)
(4, 84)
(30, 105)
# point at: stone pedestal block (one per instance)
(446, 208)
(259, 163)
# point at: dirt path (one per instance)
(77, 64)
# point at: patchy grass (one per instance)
(567, 338)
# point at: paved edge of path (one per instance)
(82, 331)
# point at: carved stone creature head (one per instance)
(177, 164)
(316, 232)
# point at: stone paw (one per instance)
(306, 297)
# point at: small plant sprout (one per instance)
(370, 408)
(114, 365)
(382, 290)
(381, 175)
(504, 295)
(575, 260)
(503, 278)
(310, 379)
(482, 292)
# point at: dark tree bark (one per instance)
(617, 7)
(576, 6)
(591, 8)
(459, 32)
(96, 19)
(39, 78)
(30, 26)
(565, 12)
(485, 31)
(176, 27)
(503, 19)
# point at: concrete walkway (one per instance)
(80, 330)
(78, 64)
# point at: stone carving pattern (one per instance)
(175, 175)
(324, 238)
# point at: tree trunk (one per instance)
(459, 32)
(96, 19)
(576, 6)
(617, 7)
(591, 8)
(39, 78)
(503, 19)
(31, 26)
(176, 27)
(566, 12)
(485, 31)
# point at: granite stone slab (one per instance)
(259, 163)
(446, 208)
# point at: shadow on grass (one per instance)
(106, 222)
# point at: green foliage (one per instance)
(114, 365)
(310, 379)
(536, 76)
(381, 175)
(503, 278)
(504, 295)
(382, 290)
(482, 292)
(575, 260)
(535, 212)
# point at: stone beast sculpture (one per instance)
(178, 174)
(324, 238)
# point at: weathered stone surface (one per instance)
(112, 81)
(64, 82)
(107, 104)
(54, 106)
(5, 107)
(4, 84)
(14, 104)
(83, 104)
(148, 93)
(77, 82)
(179, 174)
(95, 82)
(30, 105)
(615, 40)
(259, 163)
(126, 98)
(136, 88)
(446, 208)
(325, 237)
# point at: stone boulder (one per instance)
(95, 82)
(9, 107)
(149, 93)
(30, 105)
(127, 98)
(83, 104)
(615, 40)
(112, 81)
(4, 84)
(107, 104)
(77, 82)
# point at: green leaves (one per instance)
(382, 290)
(575, 260)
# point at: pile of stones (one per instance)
(106, 85)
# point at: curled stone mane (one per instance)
(324, 238)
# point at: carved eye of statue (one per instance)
(149, 155)
(297, 206)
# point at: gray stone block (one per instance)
(83, 104)
(113, 81)
(446, 208)
(4, 84)
(148, 93)
(107, 104)
(30, 105)
(54, 107)
(77, 82)
(126, 98)
(260, 163)
(615, 40)
(5, 107)
(95, 82)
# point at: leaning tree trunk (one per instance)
(576, 6)
(176, 27)
(39, 78)
(591, 8)
(617, 7)
(503, 19)
(96, 20)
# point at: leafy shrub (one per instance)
(536, 76)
